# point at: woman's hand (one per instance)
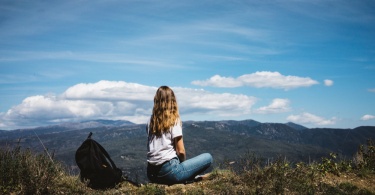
(180, 148)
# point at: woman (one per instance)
(166, 155)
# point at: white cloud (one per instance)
(259, 80)
(117, 100)
(372, 90)
(110, 91)
(367, 117)
(224, 104)
(307, 118)
(219, 81)
(328, 82)
(277, 106)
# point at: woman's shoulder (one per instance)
(178, 122)
(176, 129)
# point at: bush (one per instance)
(365, 156)
(22, 171)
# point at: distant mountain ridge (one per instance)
(273, 131)
(13, 134)
(96, 123)
(296, 126)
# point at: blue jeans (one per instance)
(173, 172)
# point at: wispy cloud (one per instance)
(97, 57)
(209, 35)
(277, 105)
(16, 78)
(367, 117)
(311, 119)
(328, 82)
(262, 79)
(372, 90)
(9, 77)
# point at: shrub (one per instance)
(26, 173)
(365, 156)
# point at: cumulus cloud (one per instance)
(328, 82)
(110, 91)
(367, 117)
(117, 100)
(261, 79)
(219, 81)
(221, 104)
(277, 106)
(308, 118)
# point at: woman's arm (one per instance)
(180, 148)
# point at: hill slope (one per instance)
(225, 140)
(26, 173)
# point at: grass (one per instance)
(23, 172)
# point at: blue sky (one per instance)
(307, 62)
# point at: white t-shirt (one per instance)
(161, 149)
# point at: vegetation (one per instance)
(23, 172)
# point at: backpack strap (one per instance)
(104, 152)
(108, 157)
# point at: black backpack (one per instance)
(97, 167)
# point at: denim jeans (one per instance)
(173, 172)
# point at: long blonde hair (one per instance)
(165, 112)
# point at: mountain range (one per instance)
(227, 141)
